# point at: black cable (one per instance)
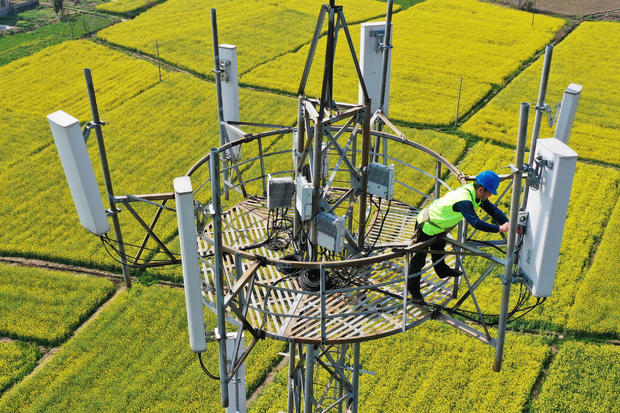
(204, 368)
(490, 244)
(382, 223)
(108, 244)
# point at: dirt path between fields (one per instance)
(596, 9)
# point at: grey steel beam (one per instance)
(214, 166)
(540, 109)
(510, 249)
(106, 175)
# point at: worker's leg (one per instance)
(415, 265)
(441, 268)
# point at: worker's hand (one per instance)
(504, 227)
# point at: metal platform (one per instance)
(367, 309)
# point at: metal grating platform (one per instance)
(372, 308)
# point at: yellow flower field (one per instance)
(435, 43)
(53, 79)
(261, 29)
(46, 306)
(125, 6)
(21, 135)
(150, 139)
(134, 356)
(583, 378)
(584, 57)
(600, 286)
(16, 360)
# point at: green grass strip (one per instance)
(47, 306)
(16, 360)
(134, 356)
(583, 378)
(20, 45)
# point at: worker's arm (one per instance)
(467, 209)
(496, 213)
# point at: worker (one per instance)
(438, 218)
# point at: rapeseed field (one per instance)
(54, 78)
(585, 58)
(46, 306)
(261, 30)
(134, 352)
(435, 44)
(16, 360)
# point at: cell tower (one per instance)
(314, 245)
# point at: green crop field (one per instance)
(583, 378)
(134, 353)
(46, 306)
(583, 58)
(245, 24)
(16, 360)
(433, 48)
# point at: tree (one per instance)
(58, 6)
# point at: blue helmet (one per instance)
(489, 180)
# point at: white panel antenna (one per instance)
(567, 112)
(184, 197)
(79, 172)
(230, 91)
(371, 61)
(546, 208)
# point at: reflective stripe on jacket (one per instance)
(439, 215)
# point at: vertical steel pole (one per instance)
(355, 380)
(365, 154)
(218, 90)
(540, 103)
(106, 175)
(301, 132)
(214, 171)
(437, 178)
(316, 183)
(386, 52)
(510, 248)
(291, 376)
(308, 392)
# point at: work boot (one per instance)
(451, 273)
(414, 289)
